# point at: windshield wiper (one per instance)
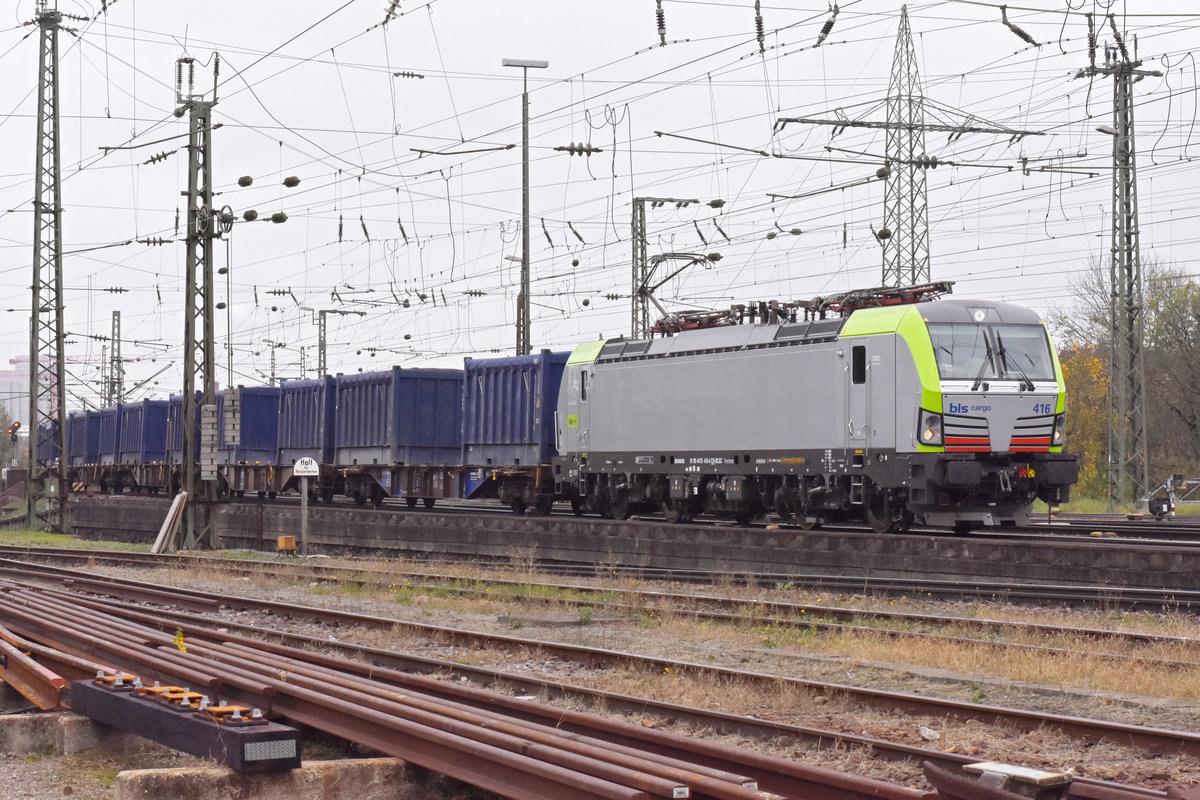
(1025, 381)
(987, 361)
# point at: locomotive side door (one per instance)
(572, 417)
(857, 408)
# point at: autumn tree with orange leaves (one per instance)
(1172, 380)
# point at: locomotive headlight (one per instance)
(1060, 430)
(930, 428)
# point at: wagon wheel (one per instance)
(877, 511)
(543, 504)
(677, 510)
(410, 501)
(619, 506)
(517, 506)
(429, 502)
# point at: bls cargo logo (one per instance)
(963, 408)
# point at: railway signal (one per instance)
(12, 432)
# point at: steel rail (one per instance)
(1130, 598)
(304, 682)
(745, 611)
(1149, 738)
(139, 649)
(403, 665)
(37, 684)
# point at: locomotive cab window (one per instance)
(583, 384)
(858, 364)
(970, 352)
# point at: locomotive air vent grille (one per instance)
(1032, 434)
(966, 434)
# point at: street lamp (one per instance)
(523, 348)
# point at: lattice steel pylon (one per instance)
(639, 321)
(905, 198)
(115, 389)
(199, 324)
(1128, 468)
(47, 507)
(905, 230)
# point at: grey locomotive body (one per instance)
(866, 416)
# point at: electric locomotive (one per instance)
(882, 405)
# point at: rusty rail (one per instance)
(41, 686)
(489, 746)
(1086, 729)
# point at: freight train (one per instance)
(886, 406)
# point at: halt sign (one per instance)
(306, 468)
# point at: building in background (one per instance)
(14, 389)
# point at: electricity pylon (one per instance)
(199, 458)
(115, 387)
(905, 197)
(1128, 471)
(905, 230)
(47, 499)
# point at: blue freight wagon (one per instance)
(78, 453)
(141, 458)
(307, 417)
(108, 435)
(248, 441)
(47, 441)
(508, 428)
(399, 433)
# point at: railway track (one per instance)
(745, 612)
(126, 635)
(1085, 730)
(1063, 594)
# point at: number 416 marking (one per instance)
(1043, 408)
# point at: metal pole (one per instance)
(304, 516)
(639, 323)
(523, 299)
(321, 344)
(47, 507)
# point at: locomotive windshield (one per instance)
(991, 352)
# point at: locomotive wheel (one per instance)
(411, 502)
(744, 517)
(518, 506)
(543, 504)
(807, 523)
(428, 502)
(878, 513)
(577, 506)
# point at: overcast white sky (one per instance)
(308, 89)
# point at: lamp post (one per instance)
(523, 348)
